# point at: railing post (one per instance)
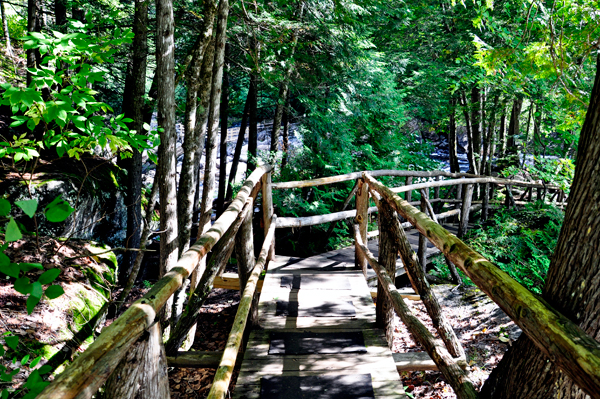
(422, 251)
(464, 214)
(408, 183)
(388, 254)
(267, 207)
(362, 207)
(244, 253)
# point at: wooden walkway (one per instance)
(316, 327)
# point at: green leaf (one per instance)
(2, 351)
(4, 207)
(54, 291)
(32, 301)
(5, 394)
(35, 362)
(12, 270)
(45, 369)
(49, 276)
(36, 289)
(12, 341)
(23, 286)
(28, 206)
(26, 267)
(12, 231)
(58, 210)
(4, 260)
(25, 359)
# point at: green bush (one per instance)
(521, 242)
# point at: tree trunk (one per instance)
(142, 373)
(286, 132)
(452, 139)
(165, 69)
(283, 90)
(253, 128)
(5, 28)
(471, 151)
(238, 148)
(388, 253)
(133, 107)
(572, 283)
(188, 183)
(525, 146)
(34, 24)
(502, 133)
(223, 142)
(476, 122)
(513, 132)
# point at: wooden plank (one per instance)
(231, 281)
(196, 359)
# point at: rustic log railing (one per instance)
(566, 344)
(83, 377)
(92, 368)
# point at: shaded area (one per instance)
(352, 386)
(310, 343)
(297, 281)
(322, 309)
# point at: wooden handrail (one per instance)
(456, 182)
(566, 344)
(220, 385)
(357, 175)
(83, 377)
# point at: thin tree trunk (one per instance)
(572, 283)
(5, 28)
(471, 151)
(513, 132)
(223, 142)
(502, 133)
(476, 122)
(238, 148)
(188, 183)
(286, 133)
(452, 139)
(253, 128)
(133, 107)
(165, 69)
(283, 90)
(524, 152)
(34, 24)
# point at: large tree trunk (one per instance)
(165, 69)
(186, 192)
(452, 139)
(573, 282)
(133, 107)
(142, 374)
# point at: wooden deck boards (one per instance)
(327, 269)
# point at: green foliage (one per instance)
(69, 118)
(520, 242)
(34, 289)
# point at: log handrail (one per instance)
(220, 385)
(83, 377)
(566, 344)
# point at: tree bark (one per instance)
(422, 251)
(223, 141)
(34, 24)
(165, 70)
(572, 283)
(5, 28)
(286, 132)
(362, 206)
(283, 90)
(476, 122)
(188, 182)
(238, 148)
(133, 107)
(253, 128)
(388, 253)
(143, 371)
(464, 214)
(452, 139)
(513, 132)
(471, 150)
